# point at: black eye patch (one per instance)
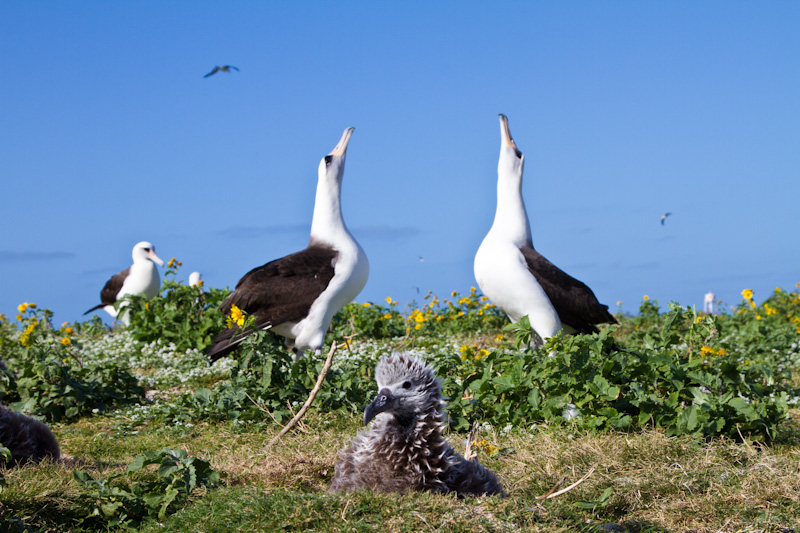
(328, 159)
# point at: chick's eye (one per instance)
(407, 385)
(147, 249)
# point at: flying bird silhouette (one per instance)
(225, 68)
(664, 217)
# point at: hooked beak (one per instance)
(383, 402)
(341, 148)
(505, 135)
(154, 258)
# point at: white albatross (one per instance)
(514, 276)
(296, 296)
(139, 278)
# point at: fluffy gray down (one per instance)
(26, 438)
(403, 449)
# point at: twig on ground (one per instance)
(469, 453)
(552, 494)
(311, 397)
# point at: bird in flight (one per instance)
(226, 68)
(664, 217)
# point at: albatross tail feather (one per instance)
(95, 308)
(226, 341)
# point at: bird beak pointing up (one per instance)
(154, 258)
(383, 402)
(341, 148)
(505, 133)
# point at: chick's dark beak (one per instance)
(383, 402)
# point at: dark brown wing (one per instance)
(575, 303)
(280, 291)
(112, 287)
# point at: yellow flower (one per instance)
(22, 307)
(66, 341)
(777, 289)
(483, 353)
(484, 298)
(464, 348)
(721, 351)
(645, 297)
(147, 305)
(418, 326)
(752, 304)
(454, 294)
(19, 317)
(200, 283)
(170, 262)
(25, 340)
(758, 317)
(65, 324)
(387, 316)
(461, 313)
(236, 317)
(706, 350)
(366, 304)
(32, 306)
(3, 317)
(389, 300)
(498, 337)
(472, 289)
(619, 302)
(439, 318)
(747, 294)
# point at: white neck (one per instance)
(510, 218)
(327, 224)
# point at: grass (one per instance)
(642, 480)
(657, 483)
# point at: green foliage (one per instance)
(117, 501)
(187, 316)
(668, 377)
(464, 314)
(44, 376)
(266, 378)
(5, 458)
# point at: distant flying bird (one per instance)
(27, 438)
(664, 217)
(226, 68)
(421, 259)
(296, 296)
(403, 449)
(139, 278)
(517, 278)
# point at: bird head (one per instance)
(331, 167)
(144, 251)
(407, 388)
(511, 160)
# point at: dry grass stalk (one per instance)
(472, 438)
(552, 494)
(310, 399)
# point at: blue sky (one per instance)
(109, 135)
